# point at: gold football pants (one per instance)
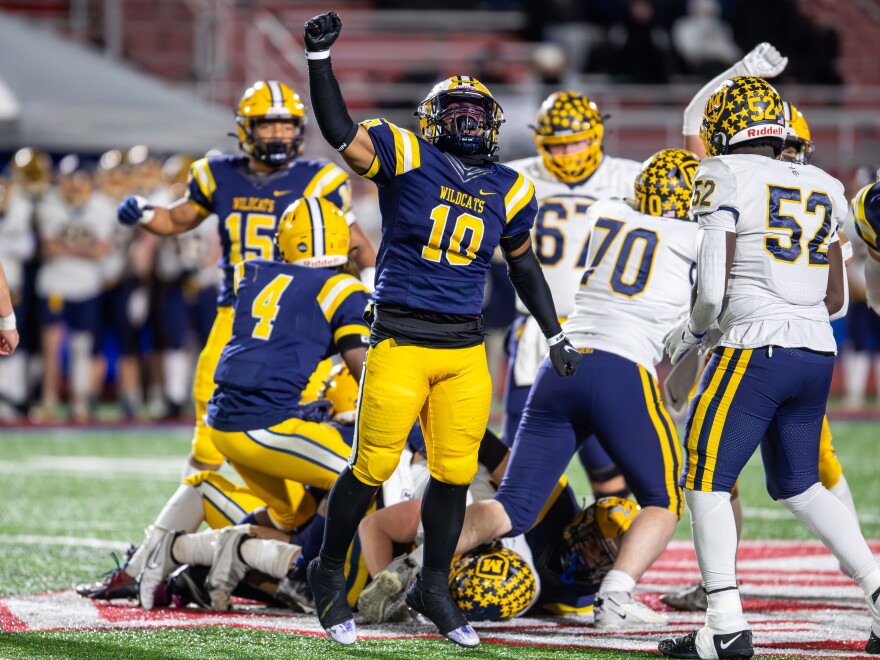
(274, 462)
(448, 390)
(203, 449)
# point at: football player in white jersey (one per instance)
(570, 172)
(798, 148)
(866, 214)
(75, 230)
(770, 271)
(638, 278)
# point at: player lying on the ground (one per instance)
(773, 280)
(567, 553)
(620, 317)
(258, 570)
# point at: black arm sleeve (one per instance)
(336, 125)
(527, 278)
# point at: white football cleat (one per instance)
(618, 609)
(158, 565)
(228, 568)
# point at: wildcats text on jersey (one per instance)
(463, 199)
(253, 204)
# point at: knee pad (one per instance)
(455, 472)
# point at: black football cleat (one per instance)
(872, 647)
(438, 606)
(331, 601)
(186, 586)
(736, 645)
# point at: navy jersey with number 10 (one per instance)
(441, 221)
(287, 319)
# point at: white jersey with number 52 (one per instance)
(637, 282)
(785, 215)
(561, 228)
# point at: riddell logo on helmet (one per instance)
(774, 130)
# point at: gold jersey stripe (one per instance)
(865, 230)
(237, 274)
(351, 329)
(520, 194)
(373, 169)
(328, 179)
(335, 291)
(202, 173)
(406, 147)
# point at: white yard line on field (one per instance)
(70, 541)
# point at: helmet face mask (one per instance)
(663, 186)
(743, 109)
(461, 117)
(313, 233)
(567, 119)
(270, 102)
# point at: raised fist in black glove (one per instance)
(563, 355)
(321, 31)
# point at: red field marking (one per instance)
(787, 618)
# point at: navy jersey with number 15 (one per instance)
(249, 204)
(441, 221)
(287, 319)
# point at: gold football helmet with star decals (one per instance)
(270, 100)
(313, 232)
(492, 583)
(664, 184)
(460, 116)
(569, 118)
(742, 109)
(797, 136)
(591, 541)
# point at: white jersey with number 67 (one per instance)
(637, 282)
(785, 215)
(561, 227)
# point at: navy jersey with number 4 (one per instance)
(441, 221)
(287, 319)
(249, 205)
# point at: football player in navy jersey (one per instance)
(248, 193)
(446, 205)
(295, 312)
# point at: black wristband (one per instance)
(492, 451)
(527, 278)
(336, 125)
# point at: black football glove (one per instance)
(564, 357)
(321, 31)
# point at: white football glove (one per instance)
(763, 61)
(680, 340)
